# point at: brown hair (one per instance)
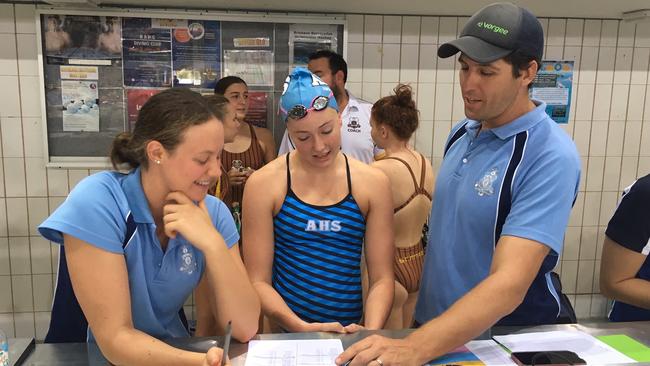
(163, 118)
(218, 105)
(398, 112)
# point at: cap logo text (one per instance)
(493, 28)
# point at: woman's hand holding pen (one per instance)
(213, 357)
(182, 215)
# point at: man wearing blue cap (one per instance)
(504, 192)
(307, 217)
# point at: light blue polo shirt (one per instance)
(520, 179)
(96, 212)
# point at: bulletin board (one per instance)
(99, 68)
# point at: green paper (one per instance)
(627, 346)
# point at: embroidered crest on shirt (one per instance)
(323, 225)
(485, 185)
(188, 264)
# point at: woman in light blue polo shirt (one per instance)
(138, 244)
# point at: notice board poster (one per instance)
(147, 54)
(196, 51)
(553, 85)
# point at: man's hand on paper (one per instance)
(380, 351)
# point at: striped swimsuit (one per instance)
(316, 267)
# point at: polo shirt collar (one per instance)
(522, 123)
(138, 203)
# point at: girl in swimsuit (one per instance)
(309, 215)
(393, 120)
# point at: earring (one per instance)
(157, 161)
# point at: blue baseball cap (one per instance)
(304, 91)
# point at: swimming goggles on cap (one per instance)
(299, 111)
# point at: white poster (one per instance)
(255, 67)
(80, 105)
(305, 39)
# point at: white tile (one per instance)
(12, 137)
(609, 33)
(584, 162)
(601, 239)
(591, 214)
(591, 35)
(7, 23)
(441, 131)
(626, 34)
(597, 144)
(392, 29)
(619, 102)
(642, 38)
(24, 323)
(6, 300)
(77, 175)
(387, 88)
(429, 30)
(25, 19)
(581, 136)
(30, 96)
(598, 302)
(574, 32)
(9, 97)
(42, 292)
(588, 65)
(41, 255)
(390, 63)
(19, 256)
(8, 56)
(42, 320)
(355, 27)
(554, 53)
(371, 62)
(33, 137)
(36, 177)
(632, 138)
(22, 290)
(595, 173)
(462, 22)
(571, 243)
(444, 93)
(410, 30)
(355, 62)
(640, 66)
(5, 262)
(409, 63)
(575, 218)
(615, 136)
(585, 277)
(27, 54)
(646, 104)
(623, 70)
(644, 166)
(38, 211)
(447, 29)
(556, 32)
(426, 100)
(57, 182)
(645, 139)
(588, 243)
(427, 66)
(543, 22)
(15, 179)
(607, 206)
(3, 218)
(445, 71)
(458, 109)
(635, 102)
(612, 173)
(569, 276)
(372, 29)
(17, 217)
(585, 102)
(7, 320)
(606, 62)
(371, 92)
(424, 138)
(582, 306)
(628, 171)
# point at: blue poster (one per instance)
(146, 53)
(196, 54)
(553, 85)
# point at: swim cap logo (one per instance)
(493, 28)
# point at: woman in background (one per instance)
(393, 120)
(251, 148)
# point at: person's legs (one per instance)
(396, 317)
(409, 308)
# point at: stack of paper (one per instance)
(311, 352)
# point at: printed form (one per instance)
(311, 352)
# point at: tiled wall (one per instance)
(610, 122)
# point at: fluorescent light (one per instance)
(641, 15)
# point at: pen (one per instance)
(226, 342)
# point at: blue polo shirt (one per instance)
(96, 212)
(520, 179)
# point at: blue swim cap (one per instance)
(304, 91)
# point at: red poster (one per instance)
(257, 108)
(135, 99)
